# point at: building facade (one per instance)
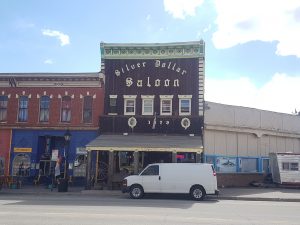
(238, 141)
(153, 92)
(37, 110)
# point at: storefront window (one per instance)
(248, 165)
(185, 157)
(126, 161)
(226, 164)
(147, 106)
(80, 166)
(21, 165)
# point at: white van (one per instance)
(196, 179)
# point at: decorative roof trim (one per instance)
(152, 51)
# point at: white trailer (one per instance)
(285, 168)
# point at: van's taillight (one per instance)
(213, 169)
(124, 183)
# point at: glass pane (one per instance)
(166, 106)
(248, 165)
(185, 106)
(294, 166)
(151, 171)
(285, 166)
(226, 164)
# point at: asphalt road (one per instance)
(163, 210)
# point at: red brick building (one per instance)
(35, 112)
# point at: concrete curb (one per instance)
(253, 199)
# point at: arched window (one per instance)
(23, 109)
(44, 108)
(66, 109)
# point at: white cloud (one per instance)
(148, 17)
(48, 61)
(239, 22)
(280, 94)
(63, 38)
(181, 8)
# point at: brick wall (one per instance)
(55, 106)
(238, 179)
(5, 137)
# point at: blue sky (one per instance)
(252, 46)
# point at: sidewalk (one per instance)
(250, 193)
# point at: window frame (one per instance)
(166, 98)
(128, 98)
(112, 108)
(68, 110)
(3, 107)
(185, 98)
(86, 109)
(44, 109)
(147, 98)
(23, 109)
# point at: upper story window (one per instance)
(184, 104)
(87, 109)
(3, 108)
(166, 104)
(147, 104)
(66, 109)
(44, 108)
(112, 104)
(129, 104)
(23, 109)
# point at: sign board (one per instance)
(81, 151)
(22, 149)
(54, 156)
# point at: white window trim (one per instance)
(190, 107)
(147, 113)
(166, 97)
(147, 97)
(126, 98)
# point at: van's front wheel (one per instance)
(136, 191)
(197, 193)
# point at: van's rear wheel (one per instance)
(136, 191)
(197, 193)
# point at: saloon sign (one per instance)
(147, 80)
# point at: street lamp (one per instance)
(67, 136)
(63, 183)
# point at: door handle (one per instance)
(159, 177)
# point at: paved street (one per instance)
(89, 209)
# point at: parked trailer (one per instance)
(285, 168)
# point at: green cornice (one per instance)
(194, 49)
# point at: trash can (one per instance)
(62, 185)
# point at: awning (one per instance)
(147, 143)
